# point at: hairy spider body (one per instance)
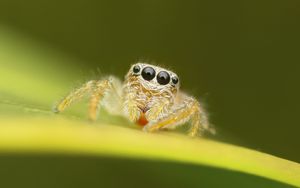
(149, 96)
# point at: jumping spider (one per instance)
(149, 96)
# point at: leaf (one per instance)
(30, 83)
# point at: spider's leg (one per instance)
(97, 94)
(74, 96)
(199, 121)
(189, 110)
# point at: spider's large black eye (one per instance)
(136, 69)
(163, 78)
(175, 80)
(148, 73)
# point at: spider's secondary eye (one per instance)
(148, 73)
(136, 69)
(175, 80)
(163, 78)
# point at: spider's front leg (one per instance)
(95, 88)
(188, 110)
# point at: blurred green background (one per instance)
(66, 171)
(241, 57)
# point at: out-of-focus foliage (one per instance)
(40, 149)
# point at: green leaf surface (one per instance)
(110, 152)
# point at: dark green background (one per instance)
(240, 56)
(62, 171)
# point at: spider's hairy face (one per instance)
(150, 84)
(153, 79)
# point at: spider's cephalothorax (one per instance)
(149, 96)
(150, 89)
